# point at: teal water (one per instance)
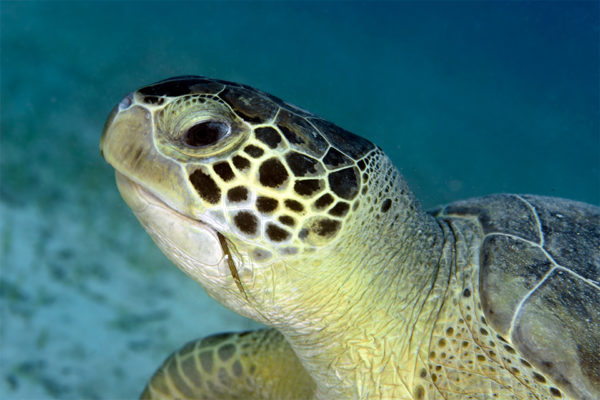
(467, 98)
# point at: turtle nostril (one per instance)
(126, 102)
(205, 133)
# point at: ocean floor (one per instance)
(467, 98)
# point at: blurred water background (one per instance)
(468, 98)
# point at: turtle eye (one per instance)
(205, 133)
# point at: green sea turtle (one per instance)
(296, 223)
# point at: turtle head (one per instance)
(241, 190)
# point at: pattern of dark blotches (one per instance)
(344, 183)
(287, 220)
(308, 187)
(340, 209)
(205, 186)
(255, 106)
(266, 205)
(268, 136)
(290, 135)
(246, 222)
(237, 194)
(386, 205)
(298, 127)
(272, 173)
(276, 233)
(223, 169)
(326, 227)
(302, 165)
(294, 205)
(254, 151)
(323, 201)
(241, 163)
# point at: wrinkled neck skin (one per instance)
(354, 309)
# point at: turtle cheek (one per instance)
(195, 248)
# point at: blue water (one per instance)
(467, 98)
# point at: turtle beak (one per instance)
(127, 144)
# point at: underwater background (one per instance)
(467, 98)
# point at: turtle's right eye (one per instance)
(206, 133)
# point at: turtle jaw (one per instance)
(194, 246)
(161, 219)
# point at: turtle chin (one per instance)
(192, 245)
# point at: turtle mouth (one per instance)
(146, 205)
(139, 198)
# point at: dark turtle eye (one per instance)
(205, 133)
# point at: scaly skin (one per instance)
(370, 296)
(247, 365)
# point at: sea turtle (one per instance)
(301, 225)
